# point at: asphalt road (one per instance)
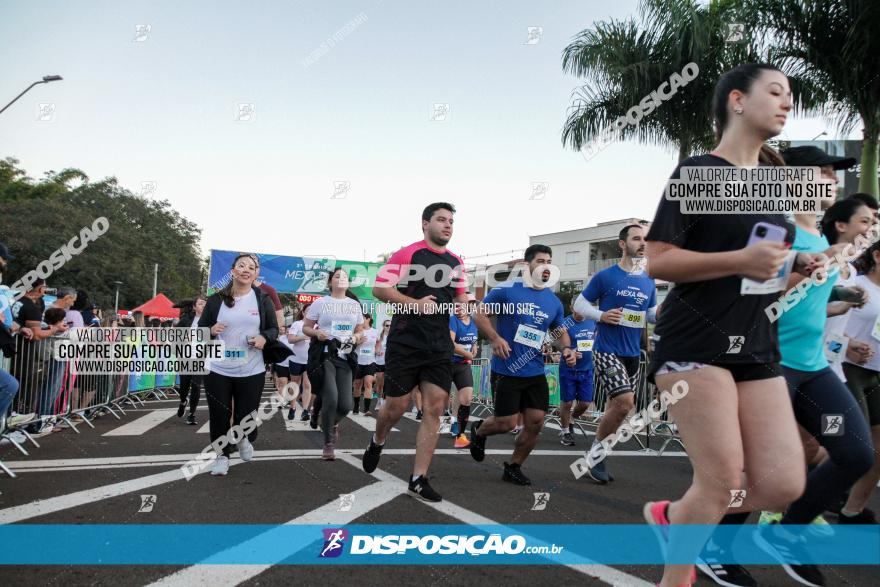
(99, 476)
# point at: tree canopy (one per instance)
(39, 217)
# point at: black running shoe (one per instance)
(598, 473)
(305, 416)
(181, 408)
(291, 414)
(729, 575)
(513, 474)
(422, 490)
(793, 558)
(313, 420)
(865, 516)
(371, 457)
(191, 420)
(419, 415)
(478, 443)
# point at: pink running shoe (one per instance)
(655, 515)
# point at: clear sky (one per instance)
(163, 109)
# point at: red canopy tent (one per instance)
(159, 307)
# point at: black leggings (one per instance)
(336, 395)
(817, 397)
(231, 396)
(190, 385)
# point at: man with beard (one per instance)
(422, 281)
(527, 310)
(622, 299)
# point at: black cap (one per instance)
(4, 253)
(810, 156)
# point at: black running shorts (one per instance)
(513, 395)
(406, 367)
(365, 371)
(462, 375)
(297, 369)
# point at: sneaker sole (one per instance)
(420, 498)
(771, 550)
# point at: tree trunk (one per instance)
(684, 150)
(868, 179)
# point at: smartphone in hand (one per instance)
(764, 231)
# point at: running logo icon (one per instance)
(540, 189)
(346, 502)
(736, 344)
(832, 424)
(737, 497)
(541, 500)
(147, 504)
(736, 32)
(334, 542)
(535, 33)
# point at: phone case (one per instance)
(774, 233)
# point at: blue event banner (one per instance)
(166, 544)
(289, 274)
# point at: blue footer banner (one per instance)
(161, 544)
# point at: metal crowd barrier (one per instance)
(660, 430)
(59, 395)
(482, 404)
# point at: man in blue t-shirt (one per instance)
(622, 299)
(463, 331)
(525, 314)
(576, 383)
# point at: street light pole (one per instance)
(117, 283)
(46, 79)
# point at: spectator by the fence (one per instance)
(85, 307)
(53, 371)
(67, 297)
(28, 311)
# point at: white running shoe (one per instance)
(245, 449)
(19, 420)
(221, 466)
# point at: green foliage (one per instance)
(568, 291)
(36, 218)
(829, 50)
(625, 61)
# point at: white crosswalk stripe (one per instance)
(143, 424)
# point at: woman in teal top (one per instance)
(818, 397)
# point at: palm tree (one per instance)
(625, 61)
(830, 49)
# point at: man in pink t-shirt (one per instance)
(422, 281)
